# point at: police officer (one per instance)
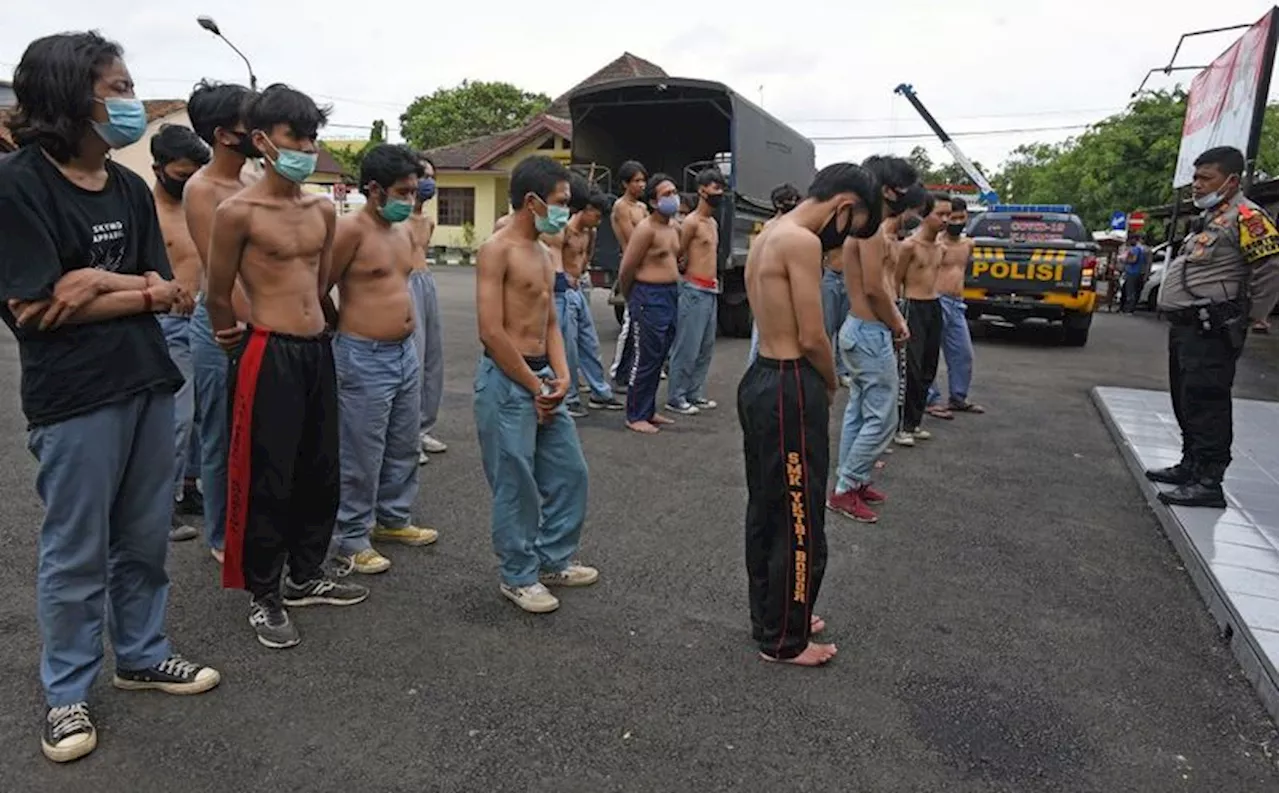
(1224, 277)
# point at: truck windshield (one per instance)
(1030, 227)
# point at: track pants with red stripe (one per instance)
(282, 467)
(782, 406)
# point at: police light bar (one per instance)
(1059, 209)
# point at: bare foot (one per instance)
(642, 427)
(814, 655)
(817, 624)
(658, 418)
(219, 556)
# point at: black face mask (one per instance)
(245, 147)
(714, 200)
(955, 229)
(910, 224)
(170, 185)
(900, 204)
(830, 236)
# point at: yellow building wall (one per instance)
(485, 185)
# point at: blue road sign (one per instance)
(1118, 221)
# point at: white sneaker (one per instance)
(904, 439)
(683, 408)
(432, 446)
(423, 457)
(534, 598)
(705, 404)
(573, 575)
(921, 434)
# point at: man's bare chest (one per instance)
(287, 234)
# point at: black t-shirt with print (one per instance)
(48, 227)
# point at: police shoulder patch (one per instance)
(1258, 237)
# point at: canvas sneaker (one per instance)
(683, 407)
(872, 496)
(367, 562)
(705, 404)
(271, 624)
(904, 439)
(851, 505)
(179, 531)
(611, 403)
(68, 733)
(534, 598)
(406, 535)
(432, 446)
(576, 410)
(921, 434)
(323, 591)
(573, 575)
(173, 675)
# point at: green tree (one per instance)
(350, 157)
(945, 173)
(1269, 143)
(468, 110)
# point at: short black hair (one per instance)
(213, 105)
(784, 194)
(175, 142)
(893, 172)
(628, 170)
(601, 202)
(538, 175)
(387, 163)
(940, 197)
(958, 204)
(1228, 159)
(916, 197)
(651, 186)
(845, 177)
(579, 192)
(54, 87)
(280, 104)
(711, 176)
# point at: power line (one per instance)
(928, 135)
(1028, 113)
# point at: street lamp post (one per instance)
(208, 24)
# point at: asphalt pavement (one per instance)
(1015, 622)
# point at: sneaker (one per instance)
(423, 457)
(192, 501)
(576, 411)
(611, 403)
(683, 408)
(323, 592)
(366, 562)
(179, 531)
(851, 505)
(173, 675)
(534, 598)
(408, 535)
(705, 404)
(872, 496)
(68, 733)
(573, 575)
(905, 439)
(432, 446)
(921, 434)
(272, 625)
(583, 388)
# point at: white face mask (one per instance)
(1210, 200)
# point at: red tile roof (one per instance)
(624, 67)
(156, 109)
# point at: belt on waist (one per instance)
(535, 362)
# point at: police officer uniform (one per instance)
(1224, 277)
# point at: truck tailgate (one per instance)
(1024, 269)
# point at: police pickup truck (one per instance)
(1032, 263)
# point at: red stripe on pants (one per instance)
(239, 456)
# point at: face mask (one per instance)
(126, 121)
(955, 229)
(170, 185)
(830, 236)
(668, 205)
(556, 219)
(244, 147)
(910, 224)
(714, 200)
(426, 188)
(900, 204)
(293, 165)
(395, 210)
(1211, 200)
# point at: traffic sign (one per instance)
(1137, 220)
(1118, 220)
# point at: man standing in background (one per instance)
(427, 330)
(1135, 268)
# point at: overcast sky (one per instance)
(826, 68)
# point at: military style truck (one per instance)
(681, 126)
(1032, 263)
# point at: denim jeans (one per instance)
(106, 482)
(428, 338)
(212, 412)
(694, 344)
(957, 351)
(379, 408)
(835, 307)
(177, 334)
(581, 345)
(870, 416)
(537, 473)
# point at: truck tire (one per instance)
(1075, 330)
(619, 313)
(735, 319)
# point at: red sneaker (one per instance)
(871, 495)
(851, 505)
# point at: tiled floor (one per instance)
(1231, 554)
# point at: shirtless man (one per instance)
(528, 443)
(784, 198)
(628, 212)
(284, 471)
(376, 360)
(957, 346)
(428, 334)
(649, 278)
(867, 341)
(784, 400)
(695, 338)
(919, 264)
(215, 111)
(176, 154)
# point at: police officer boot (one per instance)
(1179, 474)
(1197, 493)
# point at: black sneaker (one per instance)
(181, 532)
(576, 410)
(323, 592)
(1179, 474)
(173, 675)
(611, 403)
(68, 733)
(1195, 494)
(272, 625)
(192, 502)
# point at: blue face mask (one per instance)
(293, 165)
(126, 121)
(668, 205)
(426, 188)
(555, 221)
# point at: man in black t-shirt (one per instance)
(82, 269)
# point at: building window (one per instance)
(457, 206)
(549, 143)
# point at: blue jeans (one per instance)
(581, 345)
(694, 343)
(870, 416)
(537, 473)
(654, 310)
(212, 411)
(835, 307)
(429, 339)
(106, 482)
(177, 335)
(379, 408)
(957, 351)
